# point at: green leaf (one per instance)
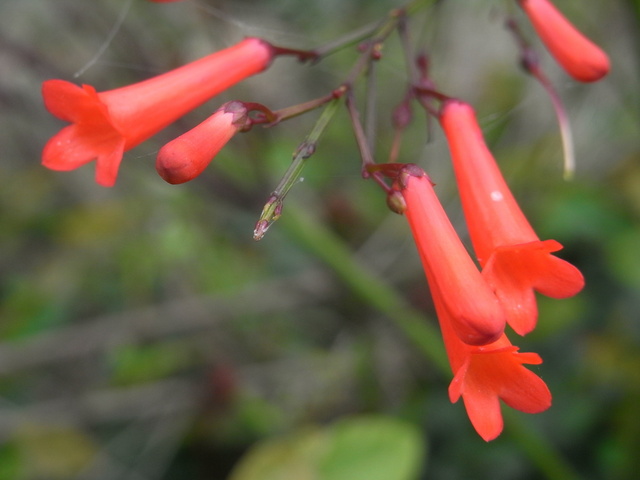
(295, 456)
(357, 448)
(373, 448)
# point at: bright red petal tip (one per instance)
(484, 375)
(187, 156)
(476, 314)
(579, 56)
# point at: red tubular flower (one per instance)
(106, 124)
(187, 156)
(579, 56)
(515, 262)
(474, 311)
(484, 375)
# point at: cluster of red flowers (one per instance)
(473, 305)
(107, 124)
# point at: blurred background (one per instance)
(145, 335)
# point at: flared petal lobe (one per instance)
(514, 273)
(579, 56)
(71, 103)
(187, 156)
(515, 261)
(484, 375)
(91, 135)
(106, 124)
(476, 315)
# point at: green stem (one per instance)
(348, 40)
(299, 109)
(531, 64)
(273, 208)
(376, 292)
(416, 5)
(366, 284)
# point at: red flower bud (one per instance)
(579, 56)
(187, 156)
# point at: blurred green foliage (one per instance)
(375, 448)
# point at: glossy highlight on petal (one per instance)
(579, 56)
(476, 314)
(492, 214)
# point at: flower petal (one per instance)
(187, 156)
(76, 145)
(72, 103)
(527, 392)
(562, 280)
(483, 409)
(484, 375)
(500, 375)
(457, 384)
(68, 150)
(109, 162)
(579, 56)
(475, 313)
(514, 272)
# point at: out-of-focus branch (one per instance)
(158, 321)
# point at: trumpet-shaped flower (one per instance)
(106, 124)
(579, 56)
(473, 310)
(515, 261)
(186, 157)
(484, 375)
